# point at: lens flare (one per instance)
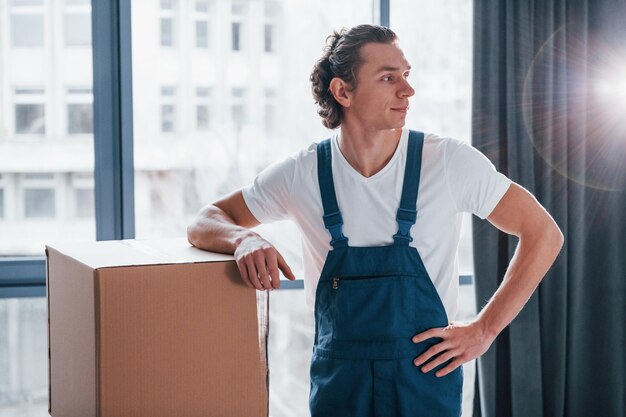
(574, 107)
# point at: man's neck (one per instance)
(368, 150)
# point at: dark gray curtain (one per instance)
(548, 113)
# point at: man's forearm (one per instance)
(533, 257)
(215, 231)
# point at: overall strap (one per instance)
(332, 217)
(407, 212)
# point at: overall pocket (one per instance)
(373, 308)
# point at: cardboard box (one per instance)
(153, 328)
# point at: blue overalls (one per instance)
(370, 301)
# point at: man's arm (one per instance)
(540, 241)
(224, 227)
(221, 226)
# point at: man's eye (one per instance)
(388, 77)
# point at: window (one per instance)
(167, 15)
(236, 36)
(237, 11)
(447, 115)
(78, 29)
(238, 111)
(191, 198)
(39, 203)
(1, 203)
(45, 47)
(202, 20)
(226, 90)
(203, 103)
(270, 110)
(202, 34)
(167, 35)
(202, 6)
(79, 111)
(29, 111)
(83, 186)
(27, 29)
(269, 27)
(269, 37)
(168, 109)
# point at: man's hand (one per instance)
(461, 342)
(258, 261)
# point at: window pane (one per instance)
(1, 203)
(39, 203)
(203, 91)
(167, 118)
(443, 89)
(166, 32)
(168, 91)
(27, 29)
(270, 118)
(79, 118)
(85, 206)
(271, 9)
(23, 357)
(202, 117)
(46, 124)
(236, 36)
(202, 5)
(237, 8)
(224, 157)
(202, 34)
(29, 119)
(78, 29)
(269, 38)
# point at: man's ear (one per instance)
(339, 90)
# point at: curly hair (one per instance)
(341, 59)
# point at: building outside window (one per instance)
(39, 195)
(83, 188)
(168, 109)
(203, 108)
(1, 202)
(269, 27)
(167, 15)
(237, 15)
(270, 110)
(238, 107)
(30, 111)
(202, 19)
(79, 111)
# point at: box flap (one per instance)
(113, 253)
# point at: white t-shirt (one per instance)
(455, 177)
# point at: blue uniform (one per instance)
(370, 301)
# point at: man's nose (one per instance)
(406, 90)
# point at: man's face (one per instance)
(381, 98)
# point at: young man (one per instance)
(379, 207)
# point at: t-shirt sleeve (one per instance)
(474, 183)
(268, 196)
